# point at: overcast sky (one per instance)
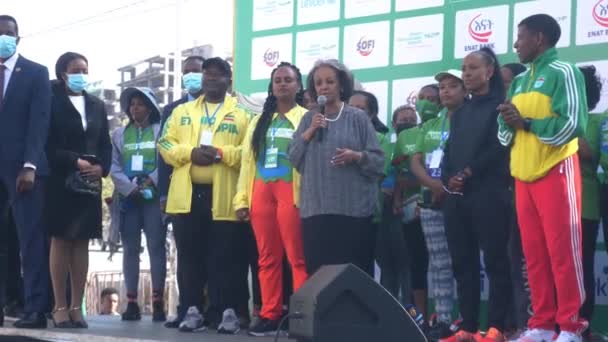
(114, 33)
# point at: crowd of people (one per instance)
(504, 161)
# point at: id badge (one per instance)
(137, 163)
(436, 157)
(393, 138)
(206, 138)
(272, 158)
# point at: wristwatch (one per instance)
(218, 157)
(527, 124)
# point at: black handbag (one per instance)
(77, 183)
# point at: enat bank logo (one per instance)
(271, 57)
(480, 28)
(600, 13)
(365, 46)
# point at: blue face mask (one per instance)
(193, 82)
(8, 46)
(78, 82)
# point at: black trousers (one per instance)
(418, 256)
(191, 232)
(604, 210)
(338, 239)
(227, 266)
(472, 221)
(521, 307)
(590, 232)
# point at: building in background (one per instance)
(157, 72)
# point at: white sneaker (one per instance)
(193, 321)
(537, 335)
(230, 323)
(566, 336)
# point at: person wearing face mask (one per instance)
(397, 219)
(541, 122)
(477, 208)
(192, 81)
(341, 162)
(202, 140)
(25, 101)
(135, 175)
(78, 144)
(430, 144)
(428, 104)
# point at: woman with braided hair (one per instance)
(268, 192)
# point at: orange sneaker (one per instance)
(493, 335)
(460, 336)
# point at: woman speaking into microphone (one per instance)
(340, 174)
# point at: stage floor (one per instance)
(112, 329)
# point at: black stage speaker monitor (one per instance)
(341, 303)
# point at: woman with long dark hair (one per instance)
(79, 152)
(268, 192)
(341, 162)
(475, 174)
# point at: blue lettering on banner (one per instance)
(599, 33)
(316, 3)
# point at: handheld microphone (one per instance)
(321, 101)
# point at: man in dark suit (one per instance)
(25, 101)
(192, 69)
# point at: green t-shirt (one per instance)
(433, 135)
(389, 172)
(278, 136)
(591, 191)
(406, 146)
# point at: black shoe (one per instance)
(264, 327)
(158, 311)
(1, 317)
(32, 320)
(132, 313)
(174, 324)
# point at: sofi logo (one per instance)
(412, 98)
(271, 57)
(600, 13)
(480, 28)
(365, 46)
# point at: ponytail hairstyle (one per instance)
(258, 141)
(497, 86)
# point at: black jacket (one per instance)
(67, 141)
(473, 143)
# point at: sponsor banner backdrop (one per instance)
(366, 45)
(592, 22)
(267, 53)
(314, 45)
(408, 5)
(418, 40)
(270, 14)
(561, 11)
(364, 8)
(317, 11)
(481, 27)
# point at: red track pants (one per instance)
(549, 215)
(278, 230)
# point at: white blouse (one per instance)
(78, 102)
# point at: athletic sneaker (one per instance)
(493, 335)
(230, 323)
(537, 335)
(193, 321)
(566, 336)
(264, 327)
(462, 336)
